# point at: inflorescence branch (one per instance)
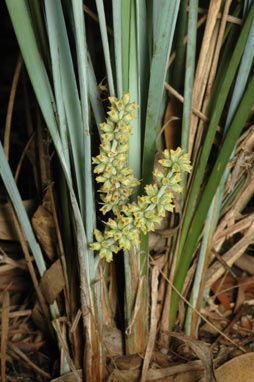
(119, 183)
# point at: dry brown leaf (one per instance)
(172, 125)
(44, 226)
(7, 227)
(70, 377)
(246, 263)
(239, 369)
(219, 288)
(113, 341)
(52, 282)
(162, 374)
(38, 318)
(230, 257)
(128, 362)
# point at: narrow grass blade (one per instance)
(79, 27)
(117, 25)
(134, 89)
(105, 44)
(125, 17)
(179, 64)
(70, 98)
(189, 74)
(165, 27)
(192, 319)
(94, 96)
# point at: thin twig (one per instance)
(65, 349)
(14, 85)
(230, 19)
(23, 156)
(95, 18)
(181, 99)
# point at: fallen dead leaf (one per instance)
(239, 369)
(113, 341)
(7, 227)
(52, 282)
(44, 226)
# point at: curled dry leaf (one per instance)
(202, 351)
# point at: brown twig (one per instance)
(95, 18)
(181, 99)
(22, 157)
(14, 85)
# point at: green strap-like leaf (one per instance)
(165, 26)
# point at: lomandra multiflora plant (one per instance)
(119, 183)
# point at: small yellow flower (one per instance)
(126, 98)
(112, 99)
(114, 116)
(106, 127)
(128, 117)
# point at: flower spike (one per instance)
(118, 184)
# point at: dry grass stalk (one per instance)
(4, 332)
(231, 19)
(153, 323)
(64, 348)
(212, 72)
(233, 213)
(178, 96)
(137, 340)
(240, 226)
(233, 254)
(28, 361)
(204, 64)
(136, 307)
(161, 374)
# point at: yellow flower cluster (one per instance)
(118, 183)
